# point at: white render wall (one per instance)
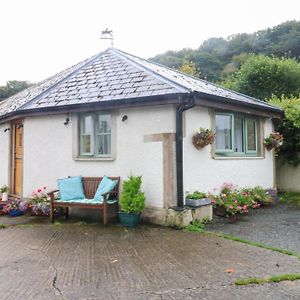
(4, 154)
(288, 177)
(202, 172)
(48, 151)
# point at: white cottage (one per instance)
(117, 114)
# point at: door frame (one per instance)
(13, 126)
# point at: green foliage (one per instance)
(289, 128)
(291, 197)
(4, 189)
(196, 195)
(217, 57)
(132, 198)
(195, 226)
(12, 87)
(188, 67)
(262, 77)
(278, 278)
(255, 244)
(2, 226)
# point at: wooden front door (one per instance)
(18, 158)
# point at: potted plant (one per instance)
(273, 141)
(132, 201)
(15, 207)
(39, 204)
(196, 199)
(4, 192)
(203, 137)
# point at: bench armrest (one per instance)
(51, 195)
(52, 192)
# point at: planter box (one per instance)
(197, 202)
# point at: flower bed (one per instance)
(232, 201)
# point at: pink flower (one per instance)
(44, 187)
(39, 190)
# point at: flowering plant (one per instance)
(40, 205)
(273, 141)
(15, 204)
(232, 201)
(203, 137)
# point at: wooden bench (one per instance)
(90, 185)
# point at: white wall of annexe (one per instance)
(49, 150)
(4, 154)
(49, 154)
(204, 172)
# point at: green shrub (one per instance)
(132, 198)
(196, 195)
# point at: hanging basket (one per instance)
(269, 147)
(202, 138)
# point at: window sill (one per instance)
(93, 158)
(237, 157)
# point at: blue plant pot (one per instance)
(15, 213)
(129, 219)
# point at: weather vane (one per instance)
(107, 35)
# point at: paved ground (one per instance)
(75, 261)
(278, 226)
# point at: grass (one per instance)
(292, 197)
(195, 226)
(278, 278)
(256, 244)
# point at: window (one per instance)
(95, 135)
(236, 135)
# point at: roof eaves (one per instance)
(115, 104)
(238, 102)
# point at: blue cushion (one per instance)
(105, 186)
(70, 188)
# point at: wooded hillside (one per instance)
(217, 58)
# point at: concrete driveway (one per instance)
(75, 261)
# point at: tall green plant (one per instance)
(290, 128)
(132, 198)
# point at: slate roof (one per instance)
(114, 75)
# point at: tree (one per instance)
(12, 87)
(262, 77)
(216, 56)
(188, 67)
(290, 128)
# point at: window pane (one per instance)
(251, 135)
(104, 124)
(238, 135)
(87, 125)
(87, 135)
(223, 132)
(86, 144)
(104, 144)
